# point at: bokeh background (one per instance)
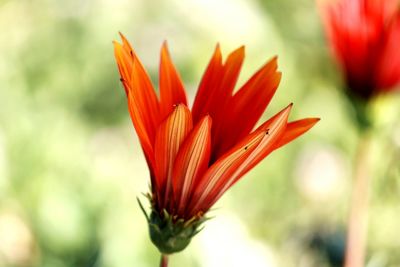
(71, 166)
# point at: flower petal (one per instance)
(170, 135)
(294, 129)
(216, 90)
(124, 63)
(247, 106)
(137, 82)
(191, 162)
(217, 105)
(171, 87)
(142, 100)
(209, 83)
(125, 43)
(388, 68)
(142, 91)
(235, 163)
(142, 132)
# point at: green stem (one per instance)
(360, 108)
(164, 260)
(358, 217)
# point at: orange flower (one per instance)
(194, 156)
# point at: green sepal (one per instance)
(169, 233)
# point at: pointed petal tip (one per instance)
(241, 49)
(314, 120)
(237, 53)
(180, 106)
(310, 122)
(217, 52)
(165, 44)
(217, 48)
(206, 122)
(271, 65)
(164, 49)
(295, 129)
(122, 36)
(207, 119)
(116, 43)
(287, 110)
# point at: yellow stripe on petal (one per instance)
(222, 168)
(170, 135)
(191, 162)
(226, 171)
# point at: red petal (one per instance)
(142, 100)
(206, 188)
(235, 163)
(171, 87)
(388, 68)
(191, 162)
(137, 82)
(294, 129)
(124, 62)
(209, 83)
(170, 135)
(125, 43)
(140, 127)
(247, 106)
(230, 76)
(275, 127)
(143, 92)
(217, 105)
(217, 94)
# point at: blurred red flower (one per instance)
(365, 36)
(194, 156)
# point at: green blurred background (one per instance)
(71, 166)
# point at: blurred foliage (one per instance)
(71, 166)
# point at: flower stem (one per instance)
(358, 217)
(164, 260)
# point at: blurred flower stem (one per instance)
(358, 217)
(164, 260)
